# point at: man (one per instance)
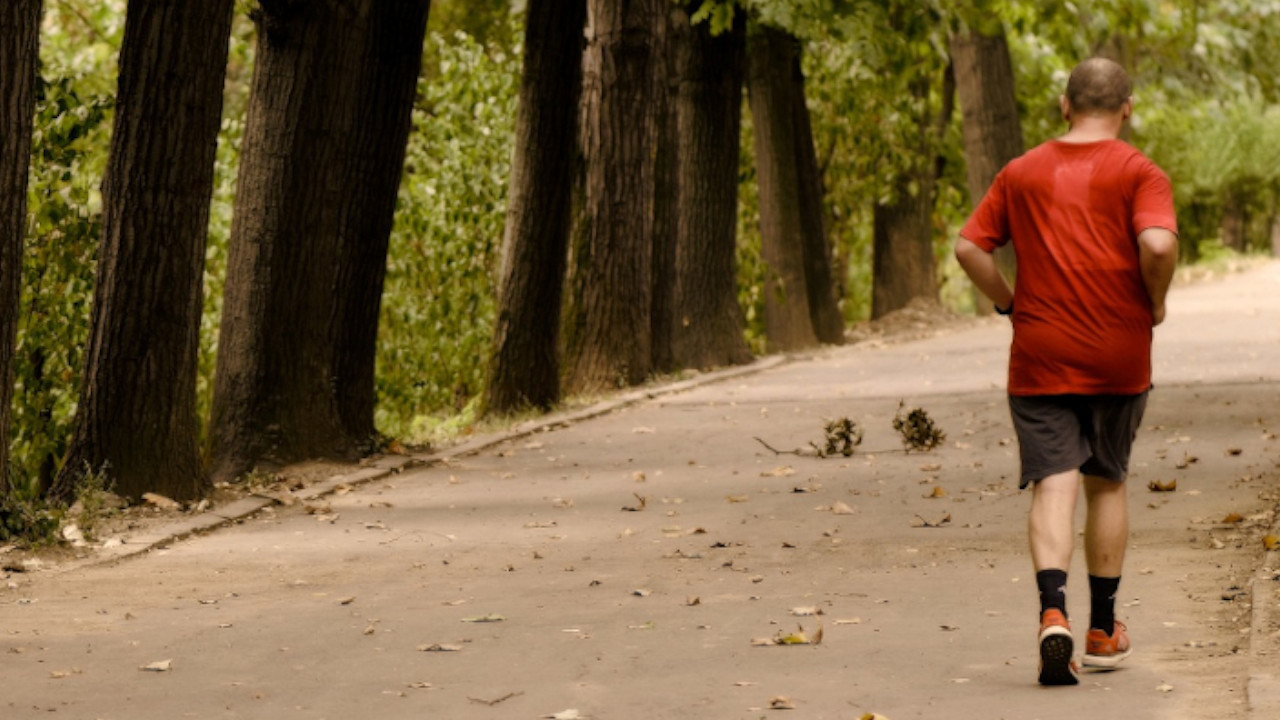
(1093, 225)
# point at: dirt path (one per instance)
(650, 612)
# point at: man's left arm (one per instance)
(1157, 258)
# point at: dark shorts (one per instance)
(1090, 433)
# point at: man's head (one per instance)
(1098, 86)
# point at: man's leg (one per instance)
(1052, 536)
(1106, 534)
(1051, 525)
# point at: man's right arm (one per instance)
(1157, 257)
(981, 268)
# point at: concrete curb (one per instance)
(383, 467)
(1263, 691)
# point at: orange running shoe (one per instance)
(1056, 647)
(1103, 651)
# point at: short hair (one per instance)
(1098, 85)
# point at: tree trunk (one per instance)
(609, 338)
(771, 62)
(19, 52)
(320, 164)
(992, 130)
(136, 417)
(524, 369)
(824, 311)
(903, 265)
(375, 149)
(707, 331)
(1235, 222)
(666, 201)
(902, 253)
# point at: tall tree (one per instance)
(667, 194)
(707, 321)
(19, 51)
(524, 369)
(989, 108)
(608, 336)
(136, 418)
(772, 55)
(320, 164)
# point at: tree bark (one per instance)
(992, 129)
(609, 340)
(787, 316)
(708, 321)
(320, 164)
(19, 53)
(824, 311)
(524, 369)
(667, 199)
(136, 417)
(903, 265)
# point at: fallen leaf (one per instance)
(920, 522)
(1164, 687)
(161, 501)
(638, 476)
(931, 467)
(873, 716)
(562, 503)
(647, 626)
(743, 683)
(738, 498)
(420, 685)
(780, 471)
(949, 628)
(781, 702)
(540, 524)
(643, 430)
(158, 666)
(570, 714)
(439, 647)
(1233, 518)
(849, 621)
(806, 610)
(642, 503)
(938, 492)
(1233, 450)
(641, 592)
(490, 618)
(1162, 486)
(840, 507)
(691, 601)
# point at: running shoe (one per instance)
(1106, 651)
(1056, 647)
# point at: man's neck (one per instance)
(1092, 128)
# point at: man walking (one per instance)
(1093, 225)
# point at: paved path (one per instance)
(650, 612)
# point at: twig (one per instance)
(491, 703)
(775, 450)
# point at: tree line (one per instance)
(622, 219)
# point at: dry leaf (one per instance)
(695, 600)
(849, 621)
(1271, 542)
(1164, 687)
(641, 592)
(562, 503)
(1162, 486)
(1233, 518)
(920, 522)
(642, 500)
(439, 647)
(780, 471)
(738, 498)
(570, 714)
(806, 610)
(490, 618)
(873, 716)
(158, 666)
(938, 492)
(540, 524)
(841, 508)
(1233, 450)
(643, 430)
(161, 501)
(781, 702)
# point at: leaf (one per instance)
(439, 647)
(920, 522)
(780, 471)
(642, 503)
(873, 716)
(1271, 542)
(570, 714)
(1233, 518)
(490, 618)
(160, 501)
(937, 492)
(738, 498)
(158, 666)
(806, 610)
(1162, 486)
(781, 702)
(841, 508)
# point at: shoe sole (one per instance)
(1105, 662)
(1056, 647)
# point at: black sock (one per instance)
(1102, 602)
(1053, 590)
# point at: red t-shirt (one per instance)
(1082, 317)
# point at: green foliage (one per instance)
(438, 302)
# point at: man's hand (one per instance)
(1157, 314)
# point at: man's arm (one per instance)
(981, 268)
(1157, 257)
